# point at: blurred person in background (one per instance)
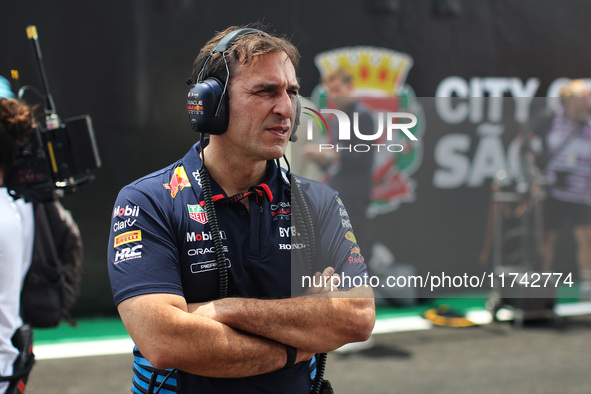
(294, 153)
(348, 172)
(16, 232)
(564, 159)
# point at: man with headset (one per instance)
(208, 258)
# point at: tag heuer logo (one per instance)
(197, 213)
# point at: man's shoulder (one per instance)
(315, 191)
(170, 179)
(310, 183)
(158, 182)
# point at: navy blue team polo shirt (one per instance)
(161, 242)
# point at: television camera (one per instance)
(59, 156)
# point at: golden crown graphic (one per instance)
(376, 71)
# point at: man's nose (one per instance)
(284, 105)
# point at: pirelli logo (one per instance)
(130, 236)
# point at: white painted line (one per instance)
(83, 348)
(481, 317)
(562, 310)
(574, 309)
(400, 324)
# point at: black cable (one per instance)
(22, 373)
(22, 90)
(304, 221)
(214, 226)
(152, 382)
(319, 378)
(305, 227)
(164, 380)
(215, 232)
(288, 166)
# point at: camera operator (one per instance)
(16, 234)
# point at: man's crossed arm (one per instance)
(238, 337)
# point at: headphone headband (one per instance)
(226, 42)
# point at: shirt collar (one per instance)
(266, 190)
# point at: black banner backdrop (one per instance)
(432, 197)
(125, 64)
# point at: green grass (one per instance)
(85, 330)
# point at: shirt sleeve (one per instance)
(142, 250)
(339, 245)
(336, 245)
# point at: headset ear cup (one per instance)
(207, 108)
(207, 103)
(296, 122)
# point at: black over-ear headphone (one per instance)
(207, 101)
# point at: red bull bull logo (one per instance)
(178, 181)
